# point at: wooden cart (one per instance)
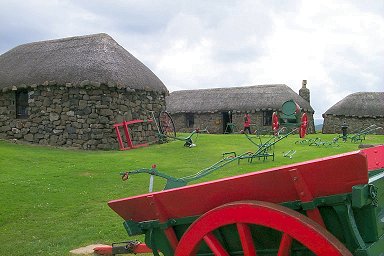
(327, 206)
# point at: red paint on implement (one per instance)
(307, 232)
(128, 138)
(103, 250)
(305, 195)
(107, 250)
(325, 176)
(375, 156)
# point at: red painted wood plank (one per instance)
(325, 176)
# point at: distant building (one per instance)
(358, 110)
(218, 107)
(70, 92)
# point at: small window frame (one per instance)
(190, 120)
(21, 104)
(267, 117)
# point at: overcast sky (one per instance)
(338, 46)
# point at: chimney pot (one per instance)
(304, 84)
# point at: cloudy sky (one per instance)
(338, 46)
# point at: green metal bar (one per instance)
(353, 239)
(373, 249)
(173, 182)
(263, 148)
(250, 138)
(212, 168)
(187, 139)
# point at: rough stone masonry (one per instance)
(79, 115)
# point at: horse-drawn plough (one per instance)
(166, 130)
(263, 151)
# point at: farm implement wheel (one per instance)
(166, 125)
(303, 126)
(245, 214)
(275, 123)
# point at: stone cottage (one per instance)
(71, 91)
(217, 108)
(358, 110)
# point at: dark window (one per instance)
(21, 104)
(267, 118)
(190, 118)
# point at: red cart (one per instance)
(327, 206)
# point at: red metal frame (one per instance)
(128, 138)
(291, 223)
(107, 249)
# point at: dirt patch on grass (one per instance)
(86, 174)
(87, 250)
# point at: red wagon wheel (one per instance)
(292, 224)
(303, 126)
(275, 123)
(166, 124)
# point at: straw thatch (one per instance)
(260, 97)
(360, 104)
(96, 58)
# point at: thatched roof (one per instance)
(360, 104)
(260, 97)
(96, 58)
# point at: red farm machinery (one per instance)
(328, 206)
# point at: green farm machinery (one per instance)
(263, 151)
(290, 118)
(360, 135)
(166, 130)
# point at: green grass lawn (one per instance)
(55, 200)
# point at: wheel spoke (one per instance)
(285, 245)
(214, 244)
(167, 126)
(246, 239)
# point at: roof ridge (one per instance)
(101, 35)
(231, 87)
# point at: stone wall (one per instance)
(333, 123)
(214, 122)
(79, 115)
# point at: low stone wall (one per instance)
(212, 121)
(333, 123)
(79, 115)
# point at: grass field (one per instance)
(55, 200)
